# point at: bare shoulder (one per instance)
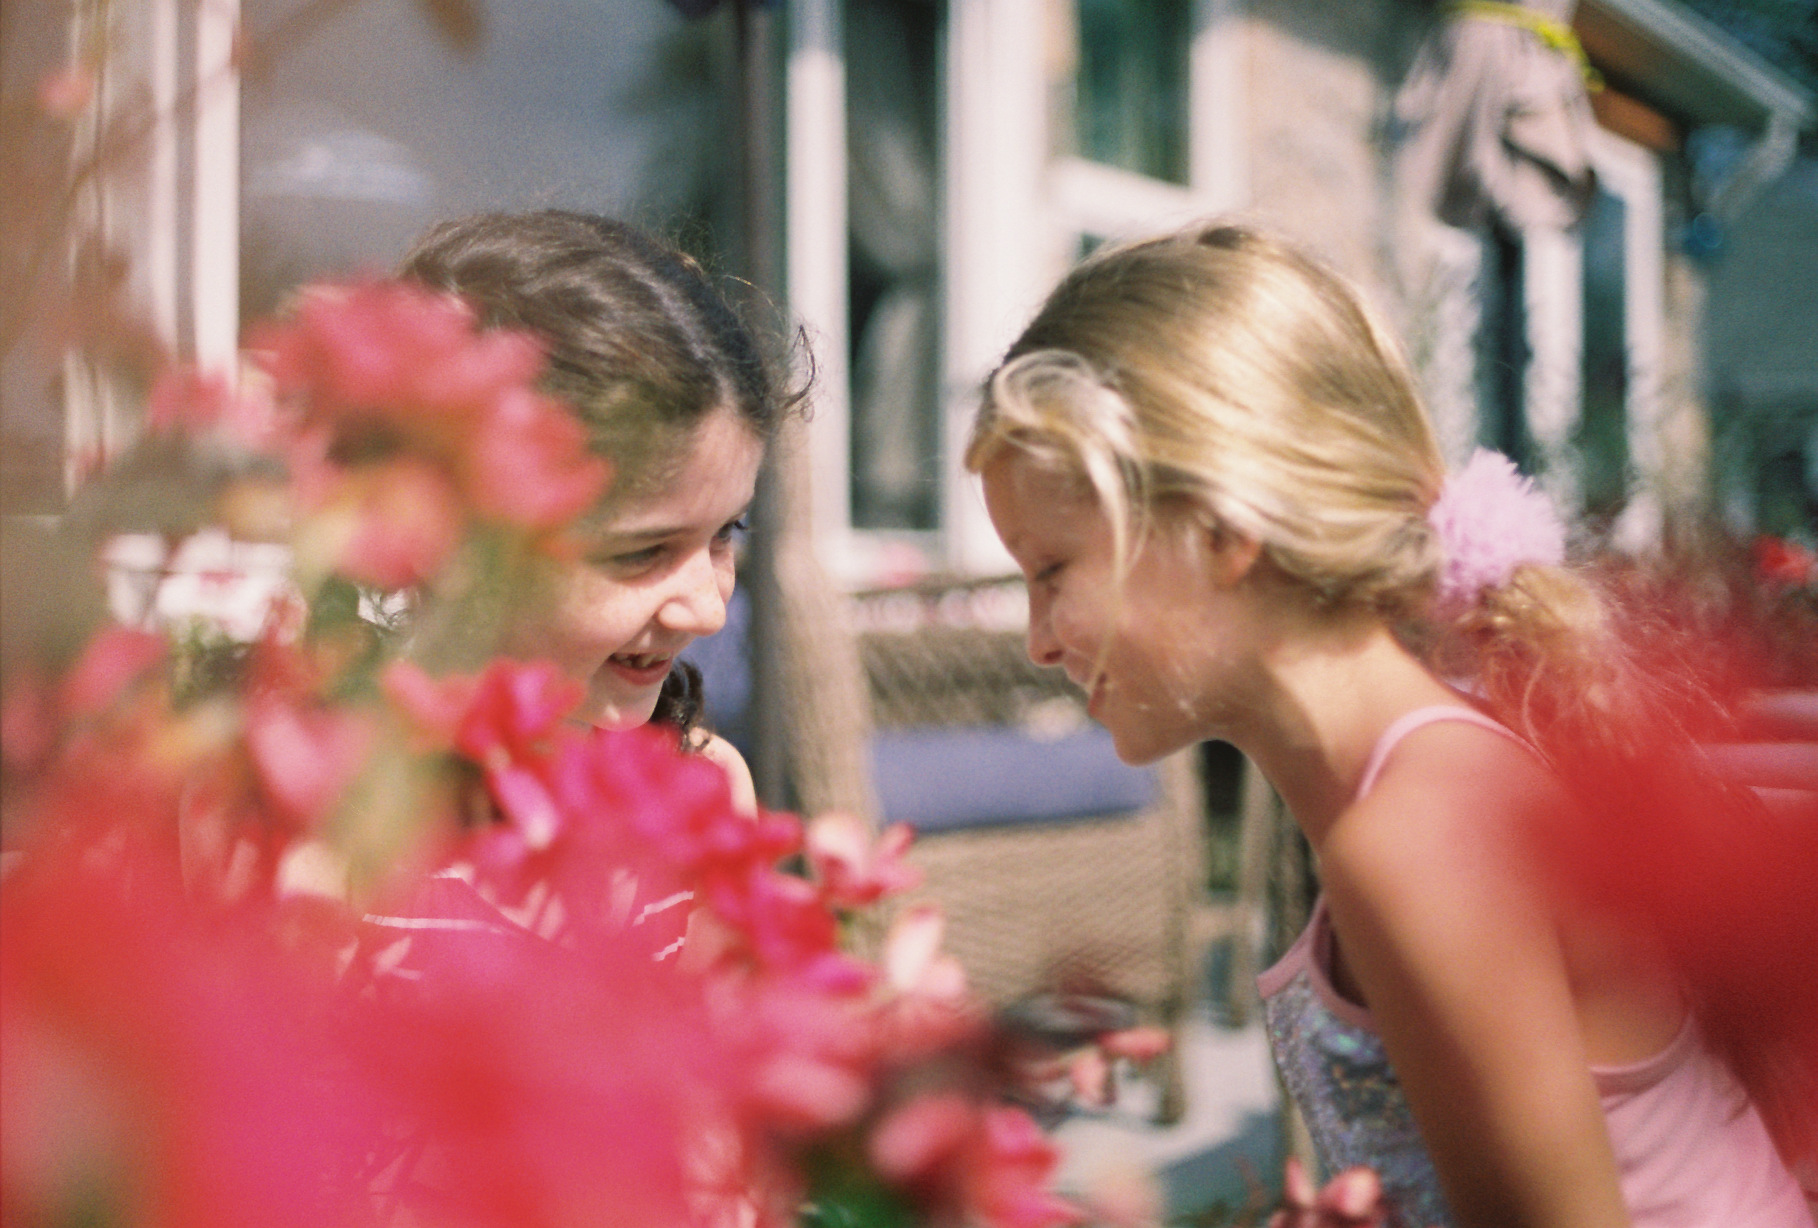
(1435, 864)
(1445, 927)
(1454, 800)
(723, 753)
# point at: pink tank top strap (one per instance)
(1417, 719)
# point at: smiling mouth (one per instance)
(641, 660)
(641, 669)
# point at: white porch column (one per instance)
(1554, 394)
(816, 239)
(1218, 149)
(1633, 172)
(998, 245)
(214, 243)
(178, 237)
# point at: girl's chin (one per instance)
(603, 713)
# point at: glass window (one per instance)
(1129, 105)
(1602, 439)
(1502, 349)
(893, 178)
(365, 126)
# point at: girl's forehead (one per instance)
(1037, 481)
(708, 479)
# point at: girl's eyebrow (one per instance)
(662, 531)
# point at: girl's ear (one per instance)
(1233, 554)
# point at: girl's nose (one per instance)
(696, 605)
(1044, 648)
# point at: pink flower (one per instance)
(1009, 1188)
(171, 1060)
(852, 870)
(515, 707)
(306, 755)
(185, 399)
(528, 463)
(113, 661)
(403, 521)
(913, 962)
(434, 706)
(395, 354)
(927, 1007)
(390, 365)
(988, 1162)
(913, 1142)
(1352, 1199)
(1137, 1044)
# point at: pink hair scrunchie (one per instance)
(1490, 520)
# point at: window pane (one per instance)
(1502, 350)
(892, 79)
(361, 129)
(1603, 445)
(1130, 85)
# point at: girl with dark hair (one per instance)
(678, 395)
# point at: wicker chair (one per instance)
(1100, 892)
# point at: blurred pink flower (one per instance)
(513, 709)
(1009, 1184)
(990, 1163)
(1142, 1044)
(852, 868)
(913, 961)
(1352, 1199)
(388, 366)
(112, 662)
(528, 463)
(166, 1062)
(306, 755)
(914, 1141)
(435, 707)
(185, 399)
(404, 521)
(390, 353)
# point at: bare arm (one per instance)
(1444, 927)
(744, 792)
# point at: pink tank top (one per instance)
(1690, 1148)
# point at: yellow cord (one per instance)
(1555, 34)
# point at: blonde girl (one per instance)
(1235, 522)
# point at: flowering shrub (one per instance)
(351, 926)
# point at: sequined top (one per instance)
(1334, 1066)
(1691, 1150)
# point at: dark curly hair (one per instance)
(641, 345)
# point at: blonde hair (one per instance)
(1224, 369)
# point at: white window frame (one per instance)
(1012, 218)
(1553, 396)
(1631, 172)
(180, 234)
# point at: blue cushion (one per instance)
(943, 779)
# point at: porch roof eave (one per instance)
(1690, 67)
